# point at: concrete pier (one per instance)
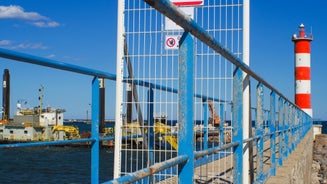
(297, 168)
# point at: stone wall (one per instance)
(319, 167)
(297, 168)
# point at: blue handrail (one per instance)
(285, 132)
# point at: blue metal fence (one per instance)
(277, 131)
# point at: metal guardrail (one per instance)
(288, 124)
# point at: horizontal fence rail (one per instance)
(190, 147)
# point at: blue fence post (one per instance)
(95, 130)
(291, 123)
(309, 124)
(295, 131)
(303, 122)
(259, 132)
(205, 124)
(273, 131)
(298, 127)
(281, 130)
(237, 134)
(185, 107)
(150, 131)
(222, 125)
(294, 128)
(286, 128)
(289, 127)
(301, 125)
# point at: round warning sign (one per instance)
(171, 42)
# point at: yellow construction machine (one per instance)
(166, 132)
(70, 131)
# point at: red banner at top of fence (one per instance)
(187, 2)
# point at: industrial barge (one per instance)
(32, 124)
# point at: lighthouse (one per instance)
(302, 70)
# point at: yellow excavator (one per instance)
(161, 128)
(70, 131)
(132, 129)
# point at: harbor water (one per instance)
(52, 165)
(324, 126)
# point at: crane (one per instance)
(214, 116)
(71, 131)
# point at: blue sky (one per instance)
(69, 31)
(84, 33)
(272, 57)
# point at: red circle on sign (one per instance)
(170, 42)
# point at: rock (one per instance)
(319, 164)
(315, 166)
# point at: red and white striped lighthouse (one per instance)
(302, 70)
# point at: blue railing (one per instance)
(285, 123)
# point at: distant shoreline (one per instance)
(87, 121)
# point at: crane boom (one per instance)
(215, 117)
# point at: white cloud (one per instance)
(29, 46)
(5, 42)
(26, 45)
(51, 56)
(46, 24)
(17, 12)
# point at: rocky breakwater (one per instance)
(319, 165)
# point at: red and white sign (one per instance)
(187, 2)
(172, 42)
